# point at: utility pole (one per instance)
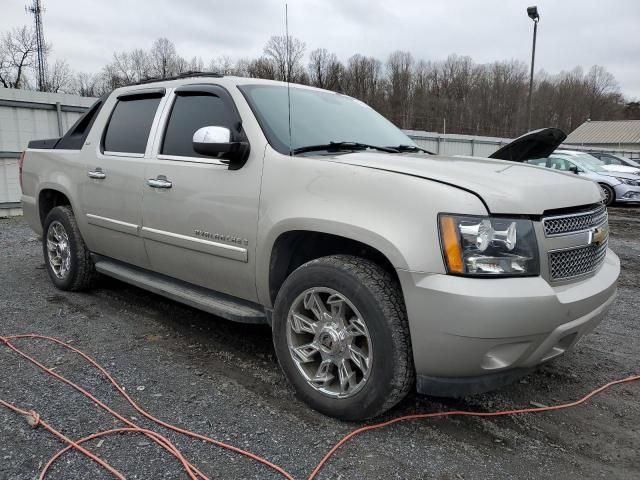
(36, 9)
(532, 12)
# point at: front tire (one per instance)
(342, 338)
(66, 256)
(609, 194)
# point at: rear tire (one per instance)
(373, 356)
(66, 256)
(610, 194)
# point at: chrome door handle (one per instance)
(160, 182)
(97, 173)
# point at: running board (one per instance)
(219, 304)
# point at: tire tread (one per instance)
(387, 290)
(86, 274)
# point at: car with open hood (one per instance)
(379, 267)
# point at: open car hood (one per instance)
(536, 144)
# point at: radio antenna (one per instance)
(288, 73)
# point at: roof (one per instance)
(208, 78)
(606, 132)
(573, 153)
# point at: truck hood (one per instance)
(505, 187)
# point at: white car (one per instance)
(618, 168)
(616, 163)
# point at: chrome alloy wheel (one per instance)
(58, 249)
(329, 342)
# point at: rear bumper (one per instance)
(473, 335)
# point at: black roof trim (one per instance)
(189, 74)
(142, 92)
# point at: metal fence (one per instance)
(452, 144)
(24, 116)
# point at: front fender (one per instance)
(393, 213)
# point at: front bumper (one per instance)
(470, 335)
(627, 193)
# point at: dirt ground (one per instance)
(222, 379)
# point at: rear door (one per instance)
(112, 194)
(200, 216)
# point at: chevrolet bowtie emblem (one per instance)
(599, 235)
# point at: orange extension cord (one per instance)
(34, 420)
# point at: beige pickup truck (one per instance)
(380, 267)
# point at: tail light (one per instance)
(20, 163)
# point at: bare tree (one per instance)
(363, 80)
(400, 87)
(139, 65)
(196, 64)
(225, 65)
(262, 67)
(241, 68)
(163, 58)
(286, 53)
(88, 85)
(325, 70)
(17, 52)
(603, 92)
(59, 78)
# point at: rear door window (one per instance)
(130, 124)
(190, 113)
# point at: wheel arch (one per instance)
(50, 197)
(293, 247)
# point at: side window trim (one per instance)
(141, 93)
(163, 121)
(180, 158)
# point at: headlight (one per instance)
(629, 181)
(488, 246)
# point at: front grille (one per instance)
(575, 262)
(575, 222)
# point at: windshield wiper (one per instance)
(338, 146)
(410, 148)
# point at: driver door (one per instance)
(199, 216)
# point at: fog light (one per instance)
(632, 196)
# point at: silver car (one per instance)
(617, 186)
(617, 163)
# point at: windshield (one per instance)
(627, 161)
(318, 118)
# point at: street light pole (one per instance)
(533, 15)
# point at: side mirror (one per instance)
(214, 141)
(574, 169)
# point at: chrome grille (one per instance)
(575, 262)
(576, 222)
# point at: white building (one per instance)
(26, 115)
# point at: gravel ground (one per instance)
(222, 379)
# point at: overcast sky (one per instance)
(571, 32)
